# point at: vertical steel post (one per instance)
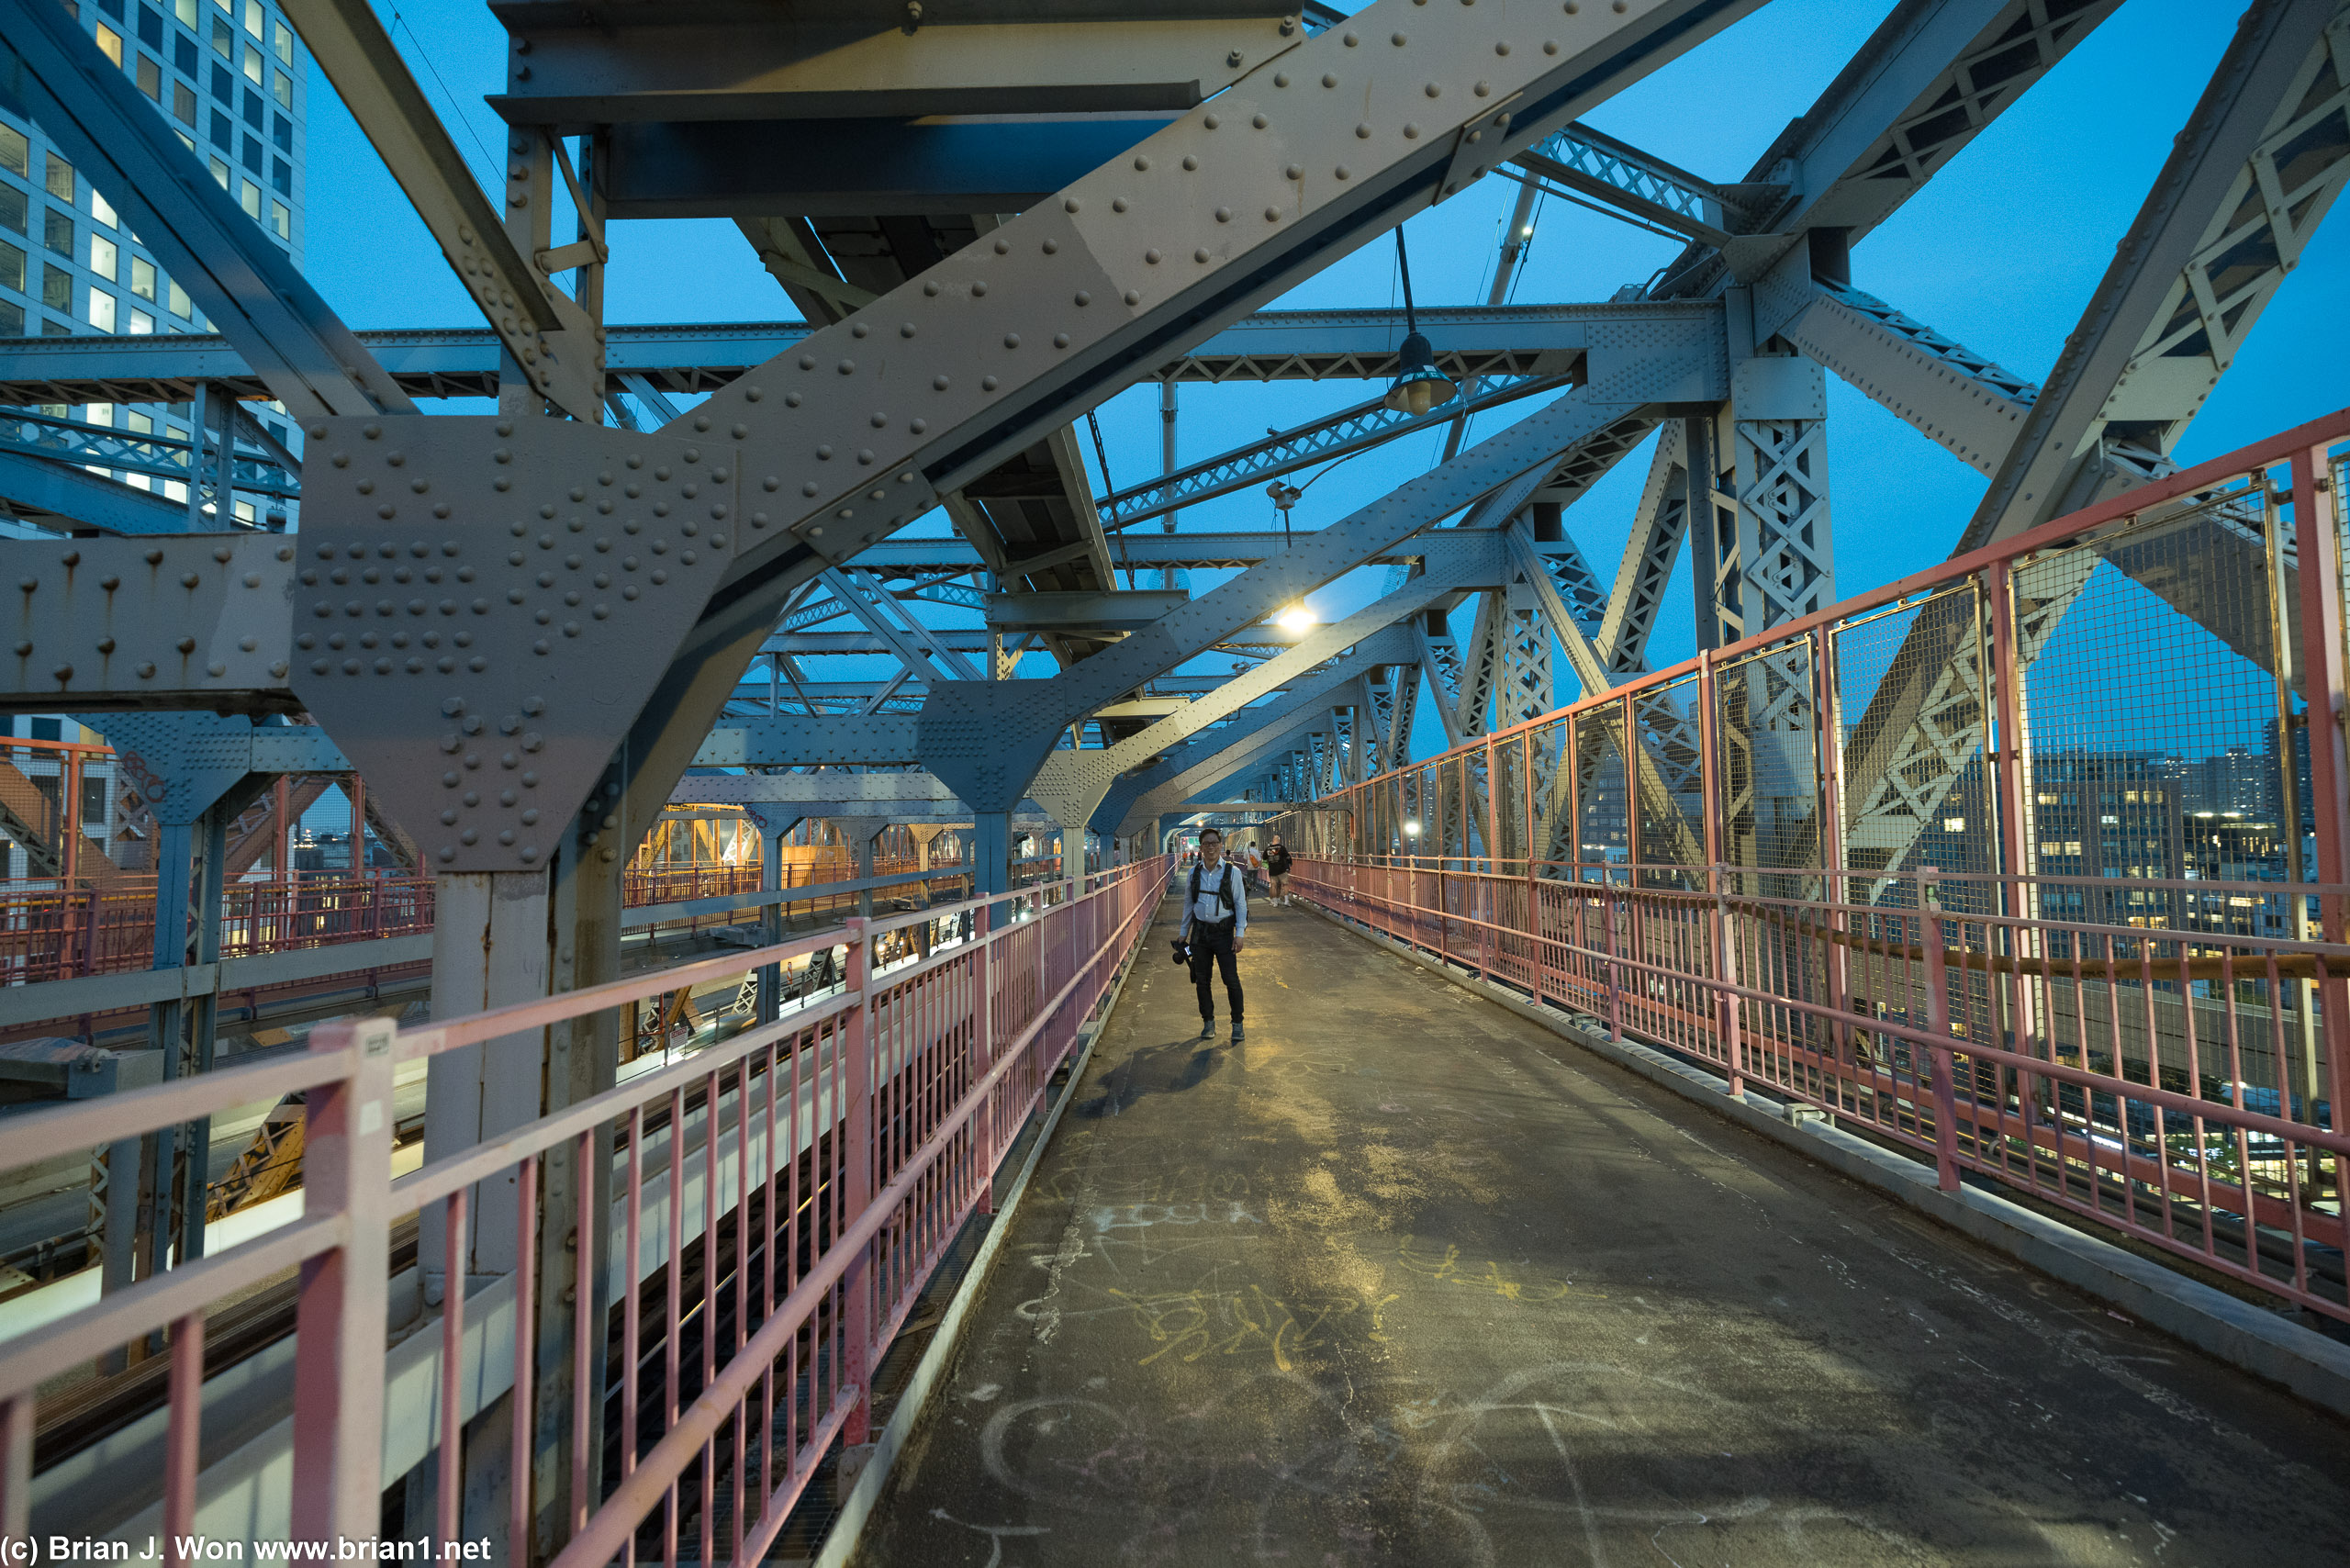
(203, 411)
(204, 1025)
(1827, 749)
(770, 922)
(1727, 1007)
(338, 1321)
(1930, 911)
(2012, 775)
(852, 1070)
(69, 812)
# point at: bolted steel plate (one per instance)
(484, 605)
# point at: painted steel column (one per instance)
(770, 922)
(167, 1027)
(853, 1067)
(1726, 1008)
(991, 853)
(203, 1025)
(489, 948)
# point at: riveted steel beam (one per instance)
(746, 62)
(301, 352)
(545, 331)
(2261, 162)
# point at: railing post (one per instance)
(2319, 554)
(1608, 941)
(337, 1490)
(1727, 1005)
(1929, 910)
(852, 1070)
(983, 1048)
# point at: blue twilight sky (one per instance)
(2000, 251)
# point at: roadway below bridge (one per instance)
(1408, 1279)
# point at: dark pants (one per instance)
(1211, 951)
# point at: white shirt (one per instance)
(1218, 885)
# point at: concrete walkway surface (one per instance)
(1407, 1279)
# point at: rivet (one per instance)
(1117, 204)
(1411, 132)
(1550, 46)
(987, 383)
(1060, 340)
(906, 329)
(1482, 89)
(918, 426)
(978, 289)
(1151, 256)
(1224, 215)
(1328, 80)
(1502, 48)
(1070, 204)
(1052, 247)
(1200, 256)
(1142, 163)
(807, 362)
(1002, 246)
(1272, 215)
(1259, 121)
(374, 432)
(1351, 40)
(751, 395)
(1281, 79)
(1011, 340)
(1432, 90)
(1190, 162)
(1134, 296)
(1362, 133)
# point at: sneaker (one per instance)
(1207, 1028)
(1239, 1035)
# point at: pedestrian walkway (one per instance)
(1408, 1279)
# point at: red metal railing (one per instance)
(832, 1155)
(2034, 862)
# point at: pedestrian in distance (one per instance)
(1215, 927)
(1277, 864)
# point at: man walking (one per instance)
(1277, 864)
(1215, 925)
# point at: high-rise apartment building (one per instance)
(232, 78)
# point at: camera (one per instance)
(1183, 952)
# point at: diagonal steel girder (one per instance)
(303, 354)
(2261, 161)
(812, 455)
(1217, 754)
(1073, 783)
(2287, 68)
(544, 332)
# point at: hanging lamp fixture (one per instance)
(1421, 385)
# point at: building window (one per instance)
(281, 174)
(103, 210)
(182, 103)
(182, 306)
(12, 209)
(109, 43)
(151, 28)
(224, 38)
(252, 159)
(249, 199)
(224, 130)
(281, 222)
(12, 320)
(253, 16)
(102, 310)
(49, 329)
(57, 231)
(283, 89)
(281, 39)
(253, 65)
(106, 257)
(183, 55)
(142, 277)
(12, 268)
(186, 11)
(224, 87)
(252, 110)
(112, 8)
(185, 140)
(151, 77)
(60, 179)
(220, 171)
(280, 132)
(141, 323)
(13, 151)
